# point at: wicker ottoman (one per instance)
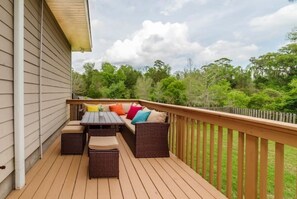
(74, 123)
(103, 157)
(73, 140)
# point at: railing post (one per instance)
(73, 112)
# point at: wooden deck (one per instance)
(57, 176)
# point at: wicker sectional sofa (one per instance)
(145, 139)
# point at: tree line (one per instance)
(269, 82)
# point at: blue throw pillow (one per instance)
(141, 116)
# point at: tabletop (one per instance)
(107, 118)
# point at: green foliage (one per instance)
(129, 76)
(173, 91)
(78, 84)
(117, 91)
(290, 100)
(159, 71)
(269, 82)
(267, 99)
(236, 98)
(218, 93)
(143, 87)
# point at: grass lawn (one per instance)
(290, 172)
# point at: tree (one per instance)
(117, 91)
(276, 69)
(143, 87)
(267, 99)
(219, 93)
(130, 78)
(238, 99)
(192, 82)
(159, 71)
(290, 100)
(78, 84)
(173, 91)
(108, 73)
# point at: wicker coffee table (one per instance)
(101, 124)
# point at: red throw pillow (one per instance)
(118, 108)
(132, 111)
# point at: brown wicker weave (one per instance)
(149, 141)
(103, 163)
(101, 131)
(72, 143)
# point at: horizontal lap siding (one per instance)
(56, 79)
(56, 62)
(31, 75)
(6, 88)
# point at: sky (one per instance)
(138, 32)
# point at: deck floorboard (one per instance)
(66, 177)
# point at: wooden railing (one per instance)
(234, 153)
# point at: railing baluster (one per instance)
(219, 162)
(211, 159)
(170, 132)
(204, 149)
(175, 134)
(240, 165)
(263, 168)
(178, 137)
(229, 163)
(192, 143)
(189, 141)
(279, 171)
(184, 139)
(251, 161)
(198, 165)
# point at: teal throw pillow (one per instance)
(141, 116)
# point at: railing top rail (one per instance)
(95, 101)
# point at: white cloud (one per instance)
(175, 5)
(155, 40)
(170, 43)
(285, 17)
(235, 50)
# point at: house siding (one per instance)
(56, 80)
(6, 88)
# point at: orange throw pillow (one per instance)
(118, 108)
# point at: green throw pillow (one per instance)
(141, 116)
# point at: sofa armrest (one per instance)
(151, 139)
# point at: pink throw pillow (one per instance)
(132, 111)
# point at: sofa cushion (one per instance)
(141, 116)
(132, 111)
(128, 124)
(73, 129)
(103, 143)
(157, 116)
(118, 108)
(126, 107)
(91, 107)
(74, 123)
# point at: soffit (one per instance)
(73, 18)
